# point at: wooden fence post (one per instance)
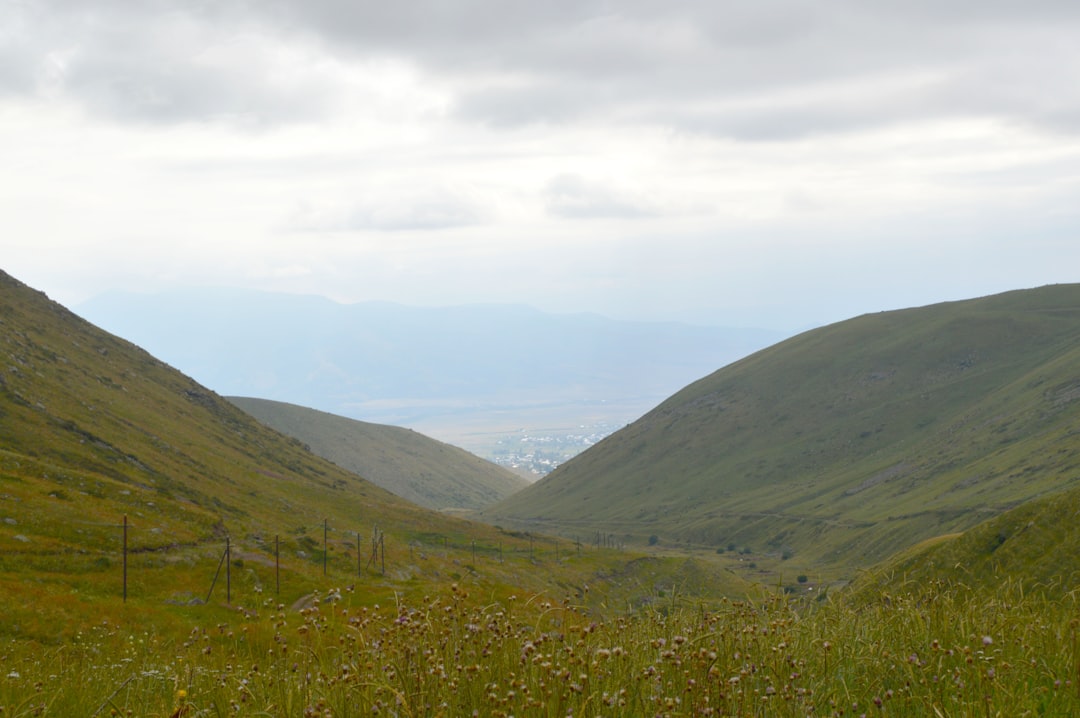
(217, 573)
(228, 571)
(125, 557)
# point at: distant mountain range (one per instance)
(444, 371)
(844, 444)
(425, 471)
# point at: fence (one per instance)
(376, 555)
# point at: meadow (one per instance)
(940, 651)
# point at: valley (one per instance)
(874, 515)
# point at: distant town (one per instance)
(536, 453)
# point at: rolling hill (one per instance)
(427, 472)
(845, 444)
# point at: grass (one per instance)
(452, 653)
(1033, 546)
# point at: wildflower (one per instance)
(987, 640)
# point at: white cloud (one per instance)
(571, 196)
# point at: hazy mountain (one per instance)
(427, 472)
(846, 443)
(440, 370)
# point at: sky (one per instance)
(780, 163)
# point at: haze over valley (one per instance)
(517, 386)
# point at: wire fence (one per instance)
(371, 556)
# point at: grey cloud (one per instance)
(145, 62)
(724, 68)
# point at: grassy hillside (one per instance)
(93, 429)
(1033, 547)
(844, 444)
(425, 471)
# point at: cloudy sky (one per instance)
(778, 163)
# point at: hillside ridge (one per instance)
(847, 442)
(427, 472)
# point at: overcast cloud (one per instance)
(778, 163)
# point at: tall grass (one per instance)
(942, 652)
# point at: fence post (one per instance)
(125, 558)
(228, 571)
(216, 574)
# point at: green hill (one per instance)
(425, 471)
(844, 444)
(96, 433)
(1032, 547)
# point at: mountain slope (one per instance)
(422, 470)
(1035, 547)
(106, 427)
(846, 443)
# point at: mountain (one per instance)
(125, 485)
(91, 424)
(463, 374)
(427, 472)
(846, 443)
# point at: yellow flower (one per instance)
(181, 694)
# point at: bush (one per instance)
(653, 540)
(802, 578)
